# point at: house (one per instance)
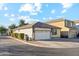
(77, 26)
(68, 29)
(76, 22)
(39, 31)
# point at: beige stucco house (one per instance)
(39, 31)
(68, 28)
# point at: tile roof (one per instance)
(44, 25)
(37, 25)
(58, 20)
(76, 21)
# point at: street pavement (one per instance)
(11, 47)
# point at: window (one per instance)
(54, 31)
(69, 23)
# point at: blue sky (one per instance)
(11, 13)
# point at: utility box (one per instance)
(26, 38)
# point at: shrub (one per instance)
(18, 35)
(15, 35)
(21, 36)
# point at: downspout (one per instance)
(33, 34)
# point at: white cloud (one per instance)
(26, 7)
(53, 11)
(6, 15)
(44, 18)
(9, 15)
(1, 6)
(12, 15)
(50, 18)
(12, 19)
(23, 17)
(66, 6)
(32, 20)
(63, 11)
(34, 13)
(27, 19)
(33, 9)
(5, 8)
(37, 6)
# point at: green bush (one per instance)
(21, 36)
(18, 35)
(14, 35)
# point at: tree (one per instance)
(22, 22)
(2, 30)
(12, 26)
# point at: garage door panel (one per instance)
(42, 35)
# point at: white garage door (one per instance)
(42, 35)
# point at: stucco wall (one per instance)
(58, 24)
(42, 29)
(72, 33)
(25, 31)
(61, 25)
(64, 29)
(16, 31)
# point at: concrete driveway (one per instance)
(11, 47)
(55, 44)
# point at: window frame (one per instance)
(54, 31)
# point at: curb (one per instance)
(26, 42)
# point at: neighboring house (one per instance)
(68, 29)
(77, 25)
(38, 31)
(76, 22)
(9, 31)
